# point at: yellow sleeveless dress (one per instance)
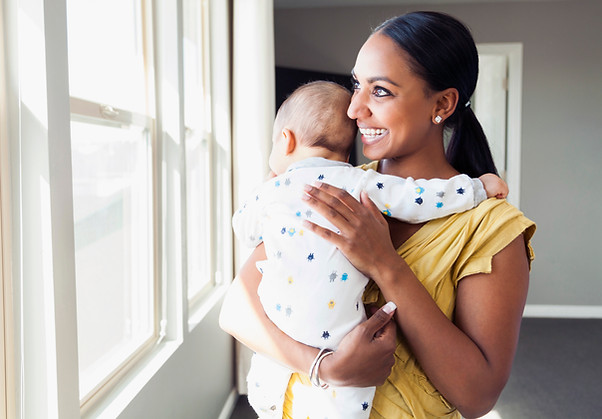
(440, 254)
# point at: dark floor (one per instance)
(557, 373)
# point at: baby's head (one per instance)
(313, 122)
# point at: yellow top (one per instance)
(440, 254)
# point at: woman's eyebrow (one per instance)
(382, 78)
(374, 79)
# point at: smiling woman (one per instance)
(396, 95)
(458, 323)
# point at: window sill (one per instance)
(200, 310)
(113, 403)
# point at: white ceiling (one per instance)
(291, 4)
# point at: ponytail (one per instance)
(443, 53)
(468, 150)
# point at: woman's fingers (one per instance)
(371, 207)
(380, 318)
(359, 226)
(366, 355)
(336, 204)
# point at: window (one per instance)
(198, 148)
(97, 318)
(113, 191)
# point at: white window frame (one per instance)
(42, 237)
(205, 133)
(104, 114)
(6, 332)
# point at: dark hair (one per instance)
(443, 53)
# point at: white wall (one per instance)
(562, 107)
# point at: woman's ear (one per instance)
(290, 141)
(447, 100)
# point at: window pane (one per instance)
(198, 164)
(106, 54)
(113, 246)
(198, 214)
(194, 94)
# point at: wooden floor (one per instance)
(557, 373)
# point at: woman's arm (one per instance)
(467, 360)
(361, 360)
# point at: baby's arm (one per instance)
(495, 187)
(417, 201)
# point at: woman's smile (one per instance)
(372, 135)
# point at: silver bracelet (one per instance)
(313, 371)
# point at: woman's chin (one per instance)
(372, 151)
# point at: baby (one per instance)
(309, 289)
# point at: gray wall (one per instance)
(562, 109)
(195, 382)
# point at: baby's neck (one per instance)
(302, 153)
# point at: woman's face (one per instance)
(390, 103)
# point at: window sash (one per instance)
(199, 150)
(124, 357)
(103, 114)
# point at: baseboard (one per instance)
(229, 405)
(560, 311)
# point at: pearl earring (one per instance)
(438, 119)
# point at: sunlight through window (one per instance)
(111, 140)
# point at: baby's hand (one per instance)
(494, 186)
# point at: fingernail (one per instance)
(317, 183)
(390, 307)
(307, 188)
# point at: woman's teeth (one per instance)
(372, 132)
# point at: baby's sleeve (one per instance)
(247, 220)
(421, 200)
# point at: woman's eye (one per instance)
(381, 92)
(355, 85)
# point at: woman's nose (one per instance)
(357, 107)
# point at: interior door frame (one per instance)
(514, 52)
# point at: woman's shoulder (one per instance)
(494, 217)
(490, 227)
(495, 212)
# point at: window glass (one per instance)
(198, 151)
(113, 204)
(112, 214)
(106, 53)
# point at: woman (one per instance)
(461, 282)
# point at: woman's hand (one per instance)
(365, 356)
(363, 235)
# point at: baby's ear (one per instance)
(291, 141)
